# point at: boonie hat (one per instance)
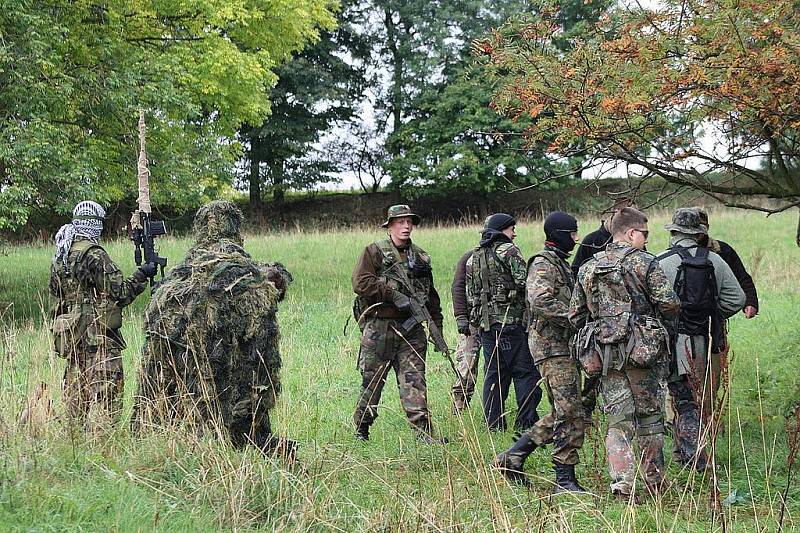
(687, 220)
(397, 211)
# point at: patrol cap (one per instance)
(688, 220)
(397, 211)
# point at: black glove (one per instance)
(401, 302)
(149, 270)
(462, 323)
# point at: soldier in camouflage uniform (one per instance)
(620, 296)
(469, 342)
(388, 274)
(549, 289)
(496, 275)
(693, 382)
(91, 292)
(211, 359)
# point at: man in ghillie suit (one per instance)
(91, 292)
(619, 301)
(496, 276)
(211, 356)
(391, 278)
(549, 289)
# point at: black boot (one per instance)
(362, 432)
(511, 462)
(565, 479)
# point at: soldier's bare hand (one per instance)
(750, 311)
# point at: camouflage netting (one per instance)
(211, 353)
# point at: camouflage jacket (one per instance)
(376, 277)
(92, 284)
(549, 290)
(650, 291)
(496, 277)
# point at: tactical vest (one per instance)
(88, 301)
(564, 295)
(494, 291)
(397, 274)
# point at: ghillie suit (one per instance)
(211, 355)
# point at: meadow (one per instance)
(57, 480)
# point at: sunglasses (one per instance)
(644, 232)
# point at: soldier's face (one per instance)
(400, 229)
(511, 232)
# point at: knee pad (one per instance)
(650, 425)
(621, 421)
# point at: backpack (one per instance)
(618, 335)
(696, 286)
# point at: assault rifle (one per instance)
(420, 314)
(145, 229)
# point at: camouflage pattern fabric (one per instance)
(383, 347)
(211, 358)
(632, 402)
(633, 397)
(91, 293)
(507, 274)
(686, 424)
(467, 354)
(563, 426)
(549, 290)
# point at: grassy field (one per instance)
(59, 481)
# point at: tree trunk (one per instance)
(256, 205)
(396, 96)
(278, 184)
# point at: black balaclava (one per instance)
(493, 229)
(557, 228)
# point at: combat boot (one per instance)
(427, 438)
(511, 462)
(565, 479)
(362, 432)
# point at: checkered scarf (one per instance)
(87, 221)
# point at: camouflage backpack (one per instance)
(618, 335)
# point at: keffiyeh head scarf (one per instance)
(87, 221)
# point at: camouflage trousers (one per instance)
(633, 399)
(563, 425)
(467, 352)
(385, 346)
(693, 397)
(94, 383)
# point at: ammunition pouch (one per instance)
(68, 329)
(648, 343)
(587, 351)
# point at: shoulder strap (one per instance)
(485, 287)
(554, 260)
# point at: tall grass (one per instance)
(57, 479)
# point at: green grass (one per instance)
(62, 481)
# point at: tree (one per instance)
(361, 152)
(316, 90)
(73, 75)
(453, 139)
(701, 94)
